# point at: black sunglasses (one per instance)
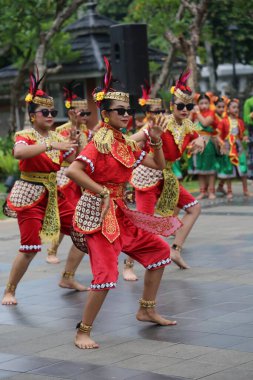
(83, 113)
(45, 112)
(122, 111)
(181, 106)
(157, 112)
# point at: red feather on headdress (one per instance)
(68, 90)
(108, 75)
(146, 90)
(34, 84)
(181, 82)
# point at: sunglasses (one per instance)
(83, 113)
(181, 106)
(157, 112)
(45, 112)
(122, 111)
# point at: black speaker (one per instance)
(129, 56)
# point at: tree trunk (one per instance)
(15, 93)
(211, 67)
(164, 72)
(46, 37)
(192, 65)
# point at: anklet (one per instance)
(177, 248)
(68, 275)
(146, 304)
(10, 287)
(83, 328)
(51, 252)
(129, 264)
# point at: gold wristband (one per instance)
(48, 146)
(105, 193)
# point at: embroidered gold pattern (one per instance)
(111, 141)
(32, 134)
(179, 131)
(170, 193)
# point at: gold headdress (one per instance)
(181, 90)
(71, 99)
(36, 95)
(107, 92)
(146, 99)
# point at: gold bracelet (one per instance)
(155, 143)
(48, 146)
(105, 193)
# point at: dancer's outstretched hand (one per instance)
(157, 126)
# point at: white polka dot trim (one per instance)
(142, 155)
(20, 142)
(106, 285)
(159, 264)
(190, 204)
(30, 247)
(70, 151)
(85, 159)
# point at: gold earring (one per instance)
(106, 119)
(32, 119)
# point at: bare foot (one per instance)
(52, 259)
(70, 283)
(201, 196)
(211, 196)
(177, 259)
(220, 189)
(9, 299)
(128, 274)
(229, 196)
(248, 194)
(84, 341)
(150, 315)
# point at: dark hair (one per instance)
(232, 101)
(203, 96)
(219, 100)
(105, 104)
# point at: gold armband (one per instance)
(105, 193)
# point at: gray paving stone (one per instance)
(191, 369)
(213, 304)
(230, 374)
(147, 362)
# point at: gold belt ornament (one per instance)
(51, 224)
(170, 193)
(65, 164)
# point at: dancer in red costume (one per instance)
(160, 191)
(76, 128)
(102, 168)
(41, 212)
(151, 107)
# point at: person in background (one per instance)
(78, 114)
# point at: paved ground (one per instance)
(212, 302)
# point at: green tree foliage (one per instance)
(114, 9)
(221, 16)
(20, 26)
(160, 15)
